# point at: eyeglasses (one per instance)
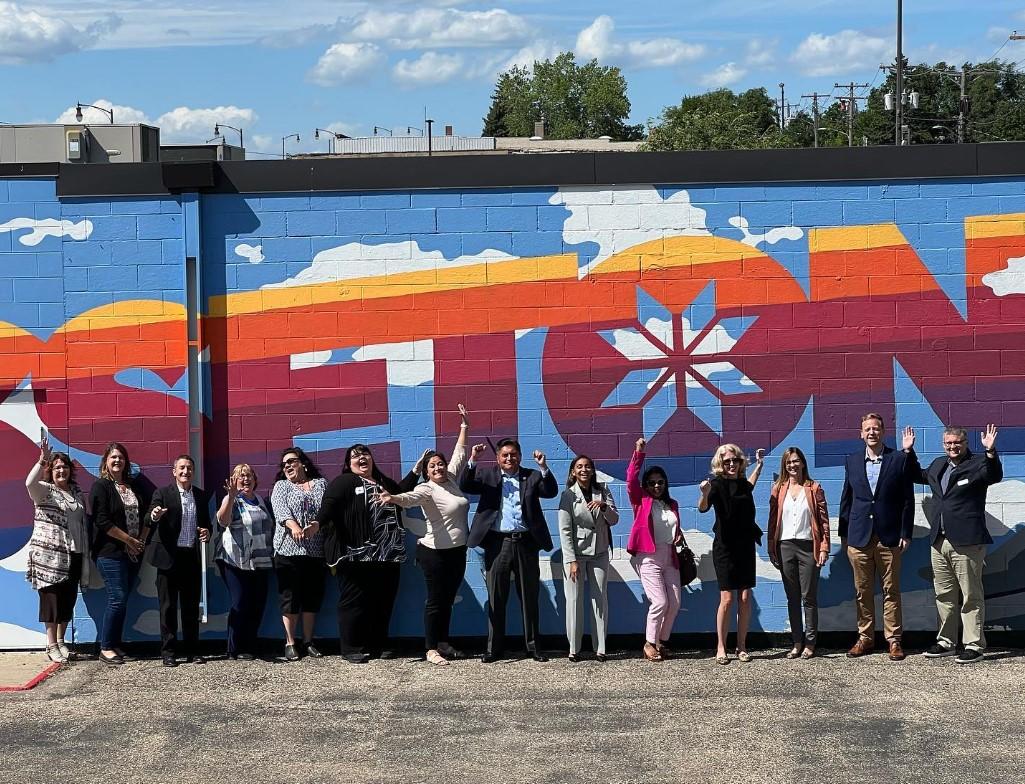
(359, 451)
(794, 462)
(948, 444)
(289, 461)
(730, 460)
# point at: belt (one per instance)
(513, 536)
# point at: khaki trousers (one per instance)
(865, 563)
(958, 569)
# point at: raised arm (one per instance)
(224, 510)
(414, 497)
(633, 473)
(458, 459)
(468, 481)
(759, 464)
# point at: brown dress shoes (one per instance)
(861, 648)
(896, 652)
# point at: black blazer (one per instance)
(487, 483)
(167, 530)
(108, 511)
(963, 507)
(889, 513)
(343, 513)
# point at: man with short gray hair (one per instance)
(957, 531)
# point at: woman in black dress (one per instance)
(731, 494)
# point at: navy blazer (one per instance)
(889, 513)
(487, 483)
(963, 506)
(168, 528)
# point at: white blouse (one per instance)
(796, 523)
(663, 522)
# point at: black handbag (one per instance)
(688, 563)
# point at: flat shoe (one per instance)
(436, 658)
(793, 653)
(743, 656)
(724, 659)
(575, 658)
(113, 660)
(651, 652)
(312, 651)
(808, 653)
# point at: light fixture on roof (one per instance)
(78, 111)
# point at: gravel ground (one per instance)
(685, 720)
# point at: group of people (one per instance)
(352, 527)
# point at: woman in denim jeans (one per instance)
(117, 499)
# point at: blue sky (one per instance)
(276, 68)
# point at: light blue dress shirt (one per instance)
(872, 466)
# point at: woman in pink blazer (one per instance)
(655, 532)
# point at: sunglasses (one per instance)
(290, 461)
(655, 482)
(358, 451)
(731, 460)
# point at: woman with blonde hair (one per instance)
(799, 545)
(244, 554)
(731, 494)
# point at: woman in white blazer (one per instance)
(586, 512)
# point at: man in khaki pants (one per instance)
(957, 523)
(876, 519)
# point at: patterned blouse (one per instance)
(131, 502)
(291, 502)
(245, 542)
(387, 540)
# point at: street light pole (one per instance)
(899, 113)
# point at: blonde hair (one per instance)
(237, 470)
(717, 459)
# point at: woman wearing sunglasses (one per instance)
(655, 531)
(731, 494)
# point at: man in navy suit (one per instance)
(876, 520)
(959, 538)
(512, 529)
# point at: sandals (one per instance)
(808, 653)
(744, 656)
(651, 652)
(793, 653)
(54, 654)
(664, 651)
(724, 659)
(436, 658)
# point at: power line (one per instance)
(815, 114)
(852, 106)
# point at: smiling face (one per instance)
(583, 471)
(361, 462)
(872, 432)
(60, 473)
(437, 471)
(182, 471)
(794, 466)
(731, 463)
(509, 458)
(293, 468)
(244, 481)
(955, 444)
(116, 464)
(656, 485)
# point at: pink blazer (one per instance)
(642, 534)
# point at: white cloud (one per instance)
(432, 28)
(723, 76)
(47, 227)
(1010, 280)
(428, 68)
(179, 124)
(596, 41)
(344, 61)
(28, 36)
(252, 253)
(122, 114)
(840, 53)
(760, 53)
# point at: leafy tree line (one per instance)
(590, 100)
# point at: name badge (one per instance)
(359, 491)
(962, 482)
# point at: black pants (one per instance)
(443, 574)
(179, 586)
(247, 589)
(366, 596)
(507, 555)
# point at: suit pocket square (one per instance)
(962, 482)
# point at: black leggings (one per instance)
(366, 596)
(443, 574)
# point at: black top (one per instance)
(355, 527)
(164, 544)
(109, 511)
(962, 508)
(734, 504)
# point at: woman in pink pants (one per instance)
(655, 531)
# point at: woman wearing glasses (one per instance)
(121, 534)
(298, 549)
(799, 545)
(655, 531)
(731, 494)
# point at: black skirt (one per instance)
(57, 602)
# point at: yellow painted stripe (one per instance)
(981, 227)
(125, 313)
(678, 252)
(8, 330)
(876, 235)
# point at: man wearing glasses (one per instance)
(957, 530)
(877, 511)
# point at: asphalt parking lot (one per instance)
(627, 720)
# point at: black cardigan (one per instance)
(108, 511)
(343, 513)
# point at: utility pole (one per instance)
(899, 113)
(851, 106)
(782, 108)
(962, 105)
(815, 114)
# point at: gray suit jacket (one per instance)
(579, 527)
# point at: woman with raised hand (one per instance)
(799, 545)
(737, 534)
(117, 499)
(441, 552)
(364, 542)
(586, 513)
(298, 549)
(58, 552)
(655, 532)
(244, 553)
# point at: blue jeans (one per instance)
(119, 575)
(248, 593)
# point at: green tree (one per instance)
(574, 101)
(718, 120)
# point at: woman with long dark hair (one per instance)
(655, 532)
(799, 545)
(298, 549)
(58, 552)
(364, 544)
(586, 513)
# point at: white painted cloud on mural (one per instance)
(14, 636)
(308, 360)
(348, 261)
(1010, 280)
(770, 237)
(408, 364)
(47, 227)
(18, 562)
(619, 217)
(251, 253)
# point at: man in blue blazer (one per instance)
(959, 537)
(876, 519)
(512, 529)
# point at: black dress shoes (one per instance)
(114, 660)
(170, 661)
(575, 658)
(195, 659)
(356, 658)
(538, 656)
(490, 658)
(312, 651)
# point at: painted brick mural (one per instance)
(575, 319)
